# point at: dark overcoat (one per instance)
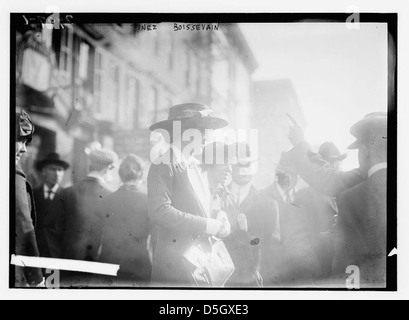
(50, 223)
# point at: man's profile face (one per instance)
(52, 174)
(286, 178)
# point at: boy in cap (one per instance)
(83, 235)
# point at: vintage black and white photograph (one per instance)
(197, 151)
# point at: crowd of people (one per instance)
(283, 236)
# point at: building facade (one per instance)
(104, 84)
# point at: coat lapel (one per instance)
(199, 183)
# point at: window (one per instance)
(98, 74)
(110, 103)
(220, 77)
(107, 81)
(47, 36)
(168, 49)
(188, 70)
(83, 60)
(148, 111)
(199, 77)
(155, 42)
(163, 107)
(129, 110)
(65, 63)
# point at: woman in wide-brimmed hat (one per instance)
(179, 197)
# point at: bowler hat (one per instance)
(52, 158)
(191, 115)
(372, 128)
(330, 153)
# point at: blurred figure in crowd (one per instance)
(224, 206)
(321, 211)
(126, 225)
(179, 197)
(315, 170)
(362, 219)
(25, 218)
(256, 214)
(50, 211)
(82, 204)
(295, 261)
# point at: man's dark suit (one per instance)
(361, 230)
(126, 231)
(294, 259)
(50, 223)
(180, 216)
(83, 232)
(255, 255)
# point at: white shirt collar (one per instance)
(285, 194)
(47, 190)
(53, 189)
(96, 176)
(376, 168)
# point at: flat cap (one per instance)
(103, 157)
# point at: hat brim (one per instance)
(41, 164)
(354, 145)
(191, 123)
(341, 157)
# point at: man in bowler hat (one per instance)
(50, 213)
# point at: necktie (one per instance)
(50, 193)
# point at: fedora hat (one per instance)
(373, 127)
(330, 153)
(191, 115)
(52, 158)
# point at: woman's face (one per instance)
(21, 148)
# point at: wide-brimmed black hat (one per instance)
(330, 153)
(191, 115)
(52, 158)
